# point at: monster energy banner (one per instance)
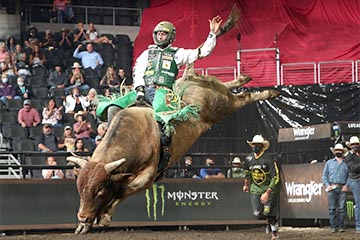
(188, 201)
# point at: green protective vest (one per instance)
(161, 68)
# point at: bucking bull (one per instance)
(126, 160)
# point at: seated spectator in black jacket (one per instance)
(188, 171)
(47, 142)
(22, 90)
(57, 78)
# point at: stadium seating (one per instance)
(14, 105)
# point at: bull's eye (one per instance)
(100, 190)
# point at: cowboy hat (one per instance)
(76, 65)
(261, 140)
(236, 160)
(353, 140)
(79, 113)
(338, 146)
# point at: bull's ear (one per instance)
(121, 177)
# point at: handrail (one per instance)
(296, 64)
(336, 61)
(137, 11)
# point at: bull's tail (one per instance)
(231, 21)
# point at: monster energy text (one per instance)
(192, 198)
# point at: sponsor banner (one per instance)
(303, 193)
(349, 127)
(188, 201)
(304, 133)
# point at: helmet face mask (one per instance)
(168, 28)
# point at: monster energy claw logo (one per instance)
(350, 209)
(154, 196)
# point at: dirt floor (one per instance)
(243, 234)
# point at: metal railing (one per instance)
(86, 14)
(322, 72)
(272, 70)
(225, 73)
(291, 72)
(339, 69)
(11, 166)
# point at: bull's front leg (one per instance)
(140, 182)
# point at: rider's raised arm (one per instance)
(186, 56)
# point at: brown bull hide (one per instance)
(134, 135)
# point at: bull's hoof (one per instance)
(105, 220)
(274, 93)
(83, 228)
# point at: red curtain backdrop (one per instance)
(307, 30)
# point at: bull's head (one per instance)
(99, 184)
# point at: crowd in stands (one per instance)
(50, 85)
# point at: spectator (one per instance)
(7, 91)
(335, 179)
(110, 80)
(98, 139)
(65, 42)
(3, 52)
(49, 41)
(94, 36)
(47, 141)
(352, 160)
(57, 78)
(107, 92)
(59, 6)
(52, 173)
(28, 116)
(51, 114)
(69, 12)
(82, 128)
(93, 100)
(89, 58)
(67, 141)
(8, 67)
(19, 57)
(80, 35)
(11, 45)
(33, 38)
(37, 58)
(236, 171)
(210, 171)
(102, 129)
(122, 77)
(188, 171)
(23, 90)
(75, 102)
(80, 147)
(264, 178)
(76, 78)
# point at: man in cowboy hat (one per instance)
(263, 181)
(236, 170)
(352, 160)
(335, 179)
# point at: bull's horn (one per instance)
(109, 167)
(79, 161)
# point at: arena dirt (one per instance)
(243, 234)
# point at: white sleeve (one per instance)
(186, 56)
(139, 69)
